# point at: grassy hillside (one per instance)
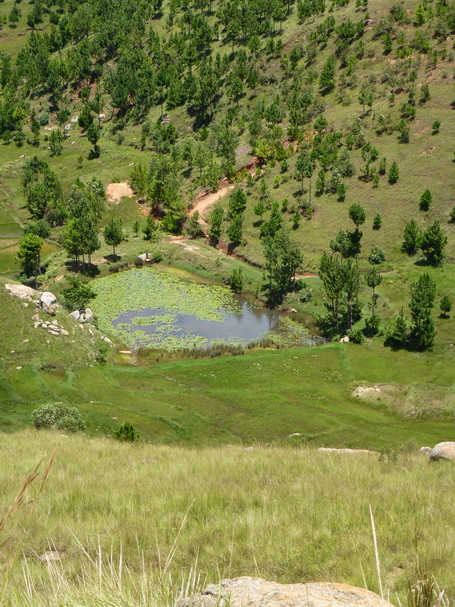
(263, 396)
(128, 521)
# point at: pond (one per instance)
(152, 308)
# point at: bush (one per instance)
(377, 255)
(126, 433)
(58, 416)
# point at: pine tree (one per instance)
(113, 233)
(425, 200)
(432, 244)
(423, 293)
(394, 173)
(412, 236)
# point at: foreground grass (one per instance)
(123, 518)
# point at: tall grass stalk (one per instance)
(376, 553)
(17, 504)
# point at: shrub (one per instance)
(126, 433)
(377, 255)
(58, 416)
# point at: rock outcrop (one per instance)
(21, 291)
(255, 592)
(48, 302)
(442, 451)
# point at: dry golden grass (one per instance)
(129, 524)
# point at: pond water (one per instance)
(246, 324)
(150, 308)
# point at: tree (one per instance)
(432, 244)
(40, 228)
(423, 293)
(377, 222)
(394, 173)
(327, 77)
(29, 254)
(259, 209)
(283, 259)
(79, 295)
(113, 233)
(397, 334)
(55, 142)
(150, 229)
(331, 274)
(235, 228)
(357, 214)
(412, 236)
(445, 306)
(425, 200)
(373, 280)
(93, 135)
(304, 168)
(216, 222)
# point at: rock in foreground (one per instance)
(255, 592)
(443, 451)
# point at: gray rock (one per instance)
(255, 592)
(88, 314)
(345, 339)
(425, 450)
(443, 451)
(55, 333)
(48, 302)
(75, 314)
(21, 291)
(107, 340)
(63, 332)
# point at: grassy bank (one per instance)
(286, 514)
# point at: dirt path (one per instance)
(205, 203)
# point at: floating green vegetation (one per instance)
(144, 288)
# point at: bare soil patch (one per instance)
(205, 203)
(116, 191)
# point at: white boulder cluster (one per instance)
(85, 315)
(445, 450)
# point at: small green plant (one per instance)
(388, 455)
(435, 126)
(101, 351)
(126, 433)
(236, 280)
(58, 416)
(377, 222)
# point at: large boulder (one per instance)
(255, 592)
(48, 302)
(443, 451)
(84, 315)
(21, 291)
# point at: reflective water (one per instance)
(250, 323)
